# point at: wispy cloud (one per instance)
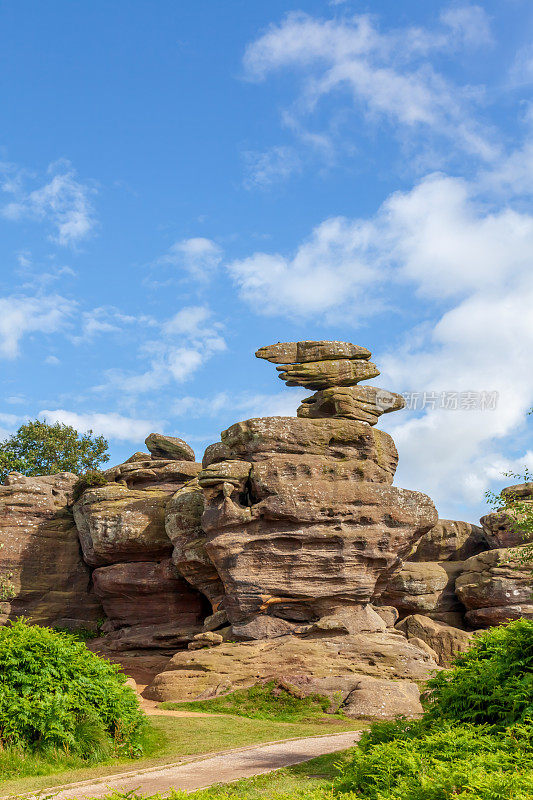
(22, 315)
(386, 74)
(187, 340)
(197, 257)
(63, 201)
(264, 169)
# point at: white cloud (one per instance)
(199, 338)
(22, 315)
(110, 425)
(387, 74)
(271, 166)
(198, 256)
(64, 202)
(473, 261)
(279, 404)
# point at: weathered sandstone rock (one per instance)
(336, 667)
(321, 374)
(373, 698)
(40, 553)
(302, 352)
(417, 588)
(365, 403)
(450, 540)
(161, 446)
(257, 439)
(312, 548)
(167, 475)
(495, 587)
(160, 596)
(446, 641)
(118, 524)
(502, 528)
(183, 526)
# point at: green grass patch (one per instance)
(167, 740)
(268, 701)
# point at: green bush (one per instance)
(475, 741)
(492, 682)
(88, 480)
(56, 694)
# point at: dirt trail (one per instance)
(198, 773)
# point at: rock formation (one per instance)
(40, 557)
(287, 555)
(300, 516)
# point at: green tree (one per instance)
(38, 448)
(516, 509)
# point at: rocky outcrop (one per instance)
(450, 540)
(40, 557)
(445, 641)
(367, 674)
(168, 447)
(496, 586)
(300, 518)
(504, 528)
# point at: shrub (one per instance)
(492, 682)
(87, 481)
(54, 693)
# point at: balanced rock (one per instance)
(301, 522)
(365, 403)
(39, 553)
(496, 586)
(321, 374)
(303, 352)
(161, 446)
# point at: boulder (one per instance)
(161, 446)
(373, 698)
(424, 587)
(496, 586)
(450, 540)
(118, 524)
(446, 641)
(338, 667)
(40, 555)
(502, 528)
(147, 593)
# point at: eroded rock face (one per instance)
(118, 524)
(496, 586)
(139, 472)
(450, 540)
(161, 595)
(301, 521)
(352, 669)
(502, 528)
(444, 640)
(183, 518)
(364, 403)
(41, 552)
(417, 588)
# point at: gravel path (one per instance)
(200, 772)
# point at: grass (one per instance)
(268, 701)
(170, 739)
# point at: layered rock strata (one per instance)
(300, 516)
(41, 565)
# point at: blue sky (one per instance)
(182, 183)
